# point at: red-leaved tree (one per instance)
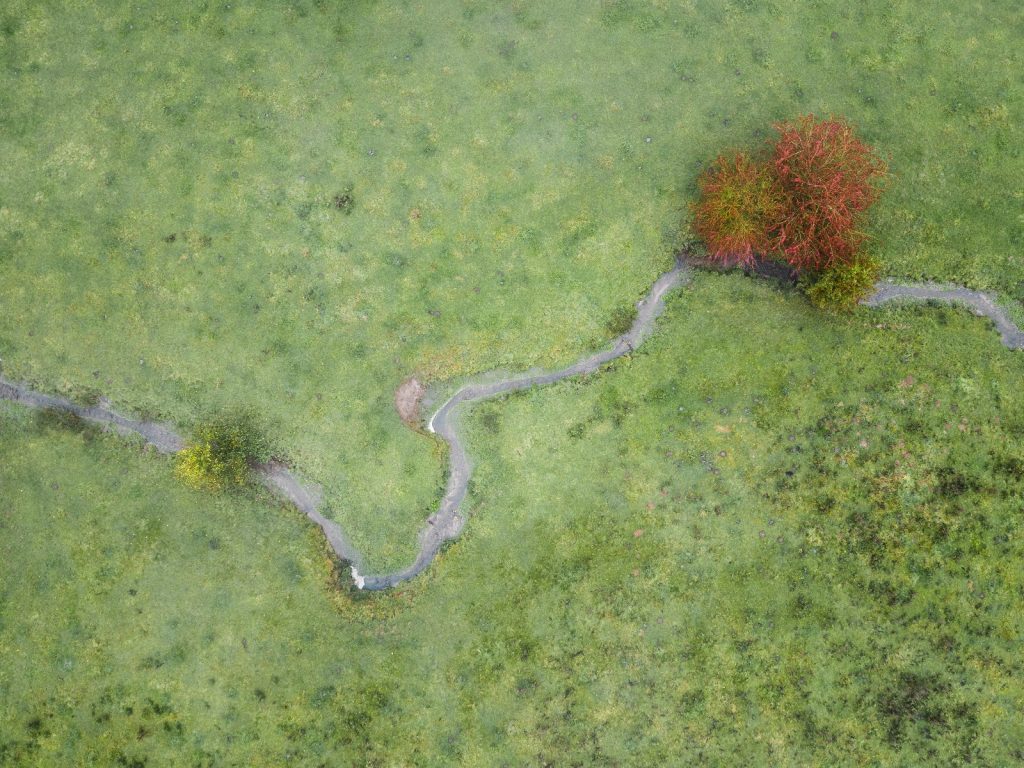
(828, 178)
(739, 204)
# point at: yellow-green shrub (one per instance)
(222, 452)
(840, 287)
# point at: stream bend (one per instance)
(446, 524)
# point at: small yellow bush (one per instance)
(222, 452)
(840, 287)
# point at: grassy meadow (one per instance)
(169, 233)
(800, 548)
(770, 537)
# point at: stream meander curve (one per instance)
(447, 522)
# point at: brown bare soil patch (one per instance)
(407, 401)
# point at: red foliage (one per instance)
(828, 177)
(739, 202)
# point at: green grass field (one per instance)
(771, 550)
(770, 537)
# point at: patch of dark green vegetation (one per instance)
(621, 320)
(56, 418)
(344, 201)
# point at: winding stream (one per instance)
(446, 524)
